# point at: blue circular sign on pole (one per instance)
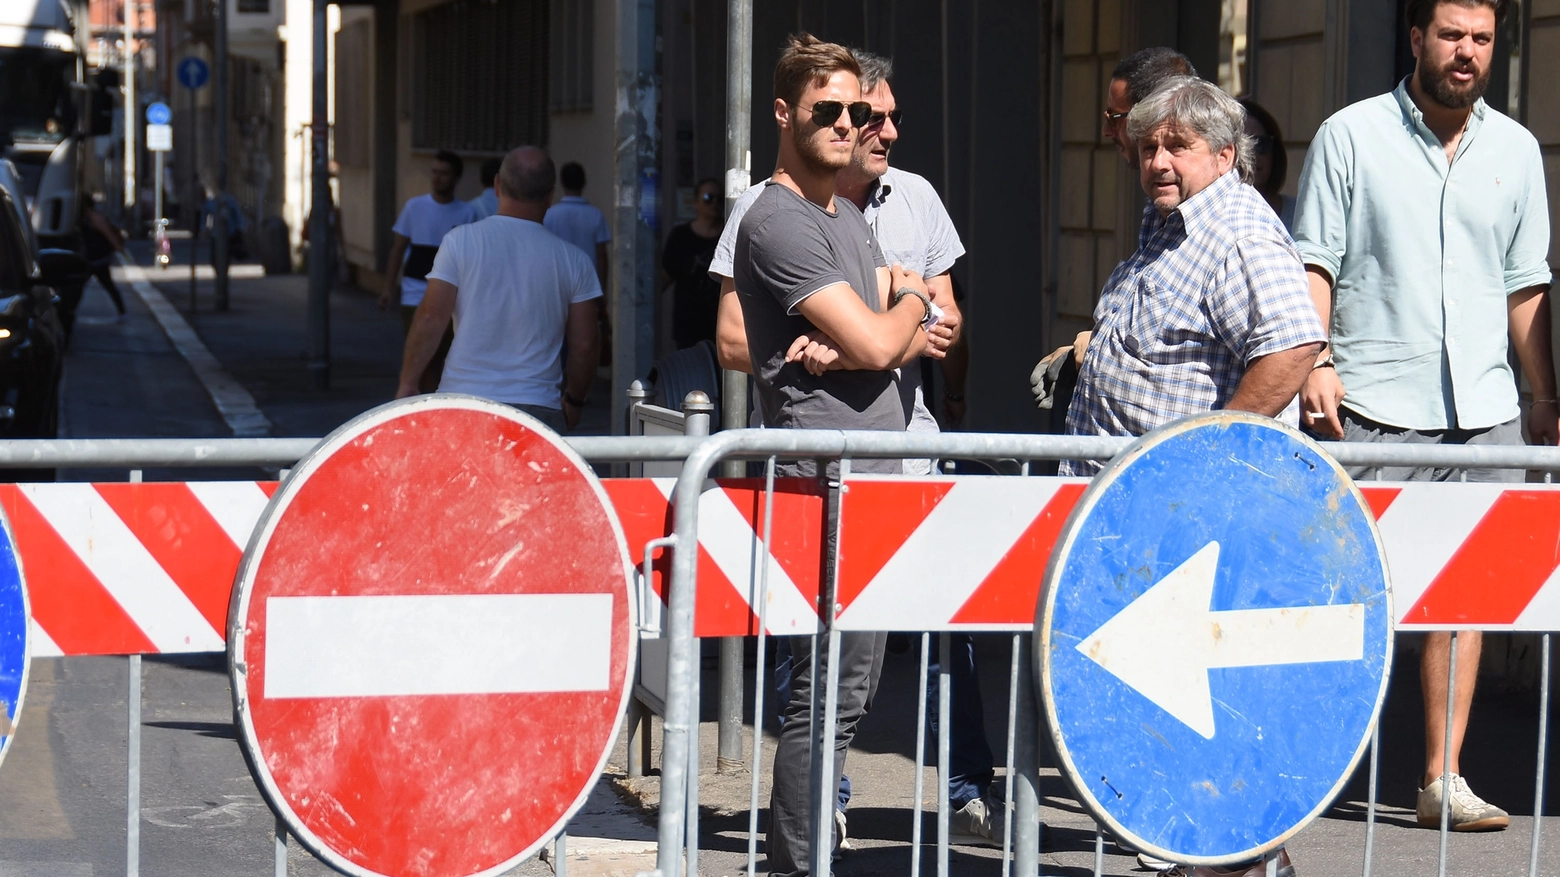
(1215, 638)
(192, 72)
(15, 655)
(157, 113)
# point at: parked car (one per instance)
(32, 339)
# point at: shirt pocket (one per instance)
(1164, 324)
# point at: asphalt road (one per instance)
(63, 784)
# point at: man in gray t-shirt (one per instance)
(787, 249)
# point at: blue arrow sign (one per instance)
(1216, 638)
(157, 113)
(193, 72)
(14, 653)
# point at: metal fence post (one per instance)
(133, 802)
(133, 757)
(279, 849)
(1026, 764)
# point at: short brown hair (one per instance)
(807, 61)
(1417, 13)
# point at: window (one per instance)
(480, 77)
(573, 30)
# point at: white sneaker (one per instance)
(1468, 811)
(1149, 863)
(981, 821)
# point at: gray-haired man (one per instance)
(1213, 310)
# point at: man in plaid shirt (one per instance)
(1213, 310)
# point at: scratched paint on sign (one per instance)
(461, 517)
(1216, 638)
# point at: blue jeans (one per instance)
(970, 762)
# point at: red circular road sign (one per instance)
(430, 640)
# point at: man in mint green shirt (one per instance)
(1423, 222)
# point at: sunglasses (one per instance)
(825, 112)
(708, 197)
(1264, 144)
(876, 119)
(1113, 119)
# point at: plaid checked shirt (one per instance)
(1213, 286)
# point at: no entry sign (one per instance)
(431, 639)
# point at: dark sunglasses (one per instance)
(708, 197)
(1114, 119)
(876, 119)
(1265, 143)
(824, 112)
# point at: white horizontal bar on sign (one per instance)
(385, 646)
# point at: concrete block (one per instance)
(1080, 101)
(1075, 275)
(1545, 8)
(1107, 182)
(1110, 26)
(1544, 101)
(1078, 28)
(1283, 19)
(1107, 255)
(1075, 187)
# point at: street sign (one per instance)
(159, 138)
(15, 654)
(1215, 638)
(193, 72)
(157, 113)
(431, 640)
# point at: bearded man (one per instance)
(1423, 224)
(806, 264)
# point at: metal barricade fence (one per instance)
(678, 830)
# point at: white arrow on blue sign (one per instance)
(1215, 639)
(14, 652)
(193, 72)
(157, 113)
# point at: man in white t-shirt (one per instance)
(578, 221)
(417, 234)
(520, 297)
(486, 203)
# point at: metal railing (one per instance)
(678, 827)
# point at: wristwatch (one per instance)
(903, 291)
(1324, 362)
(577, 403)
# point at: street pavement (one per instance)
(63, 783)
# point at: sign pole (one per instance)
(157, 180)
(321, 241)
(220, 231)
(131, 117)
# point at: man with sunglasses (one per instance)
(805, 264)
(913, 229)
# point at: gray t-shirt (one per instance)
(787, 249)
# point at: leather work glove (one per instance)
(1050, 373)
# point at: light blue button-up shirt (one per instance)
(1423, 256)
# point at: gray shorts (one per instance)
(1363, 429)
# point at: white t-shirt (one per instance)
(579, 222)
(426, 222)
(514, 283)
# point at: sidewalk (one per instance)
(262, 342)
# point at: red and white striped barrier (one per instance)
(119, 568)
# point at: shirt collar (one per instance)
(1195, 212)
(574, 199)
(1417, 117)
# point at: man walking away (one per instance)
(1424, 225)
(519, 297)
(486, 204)
(417, 233)
(806, 265)
(578, 221)
(101, 239)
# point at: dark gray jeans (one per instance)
(1362, 429)
(552, 418)
(861, 663)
